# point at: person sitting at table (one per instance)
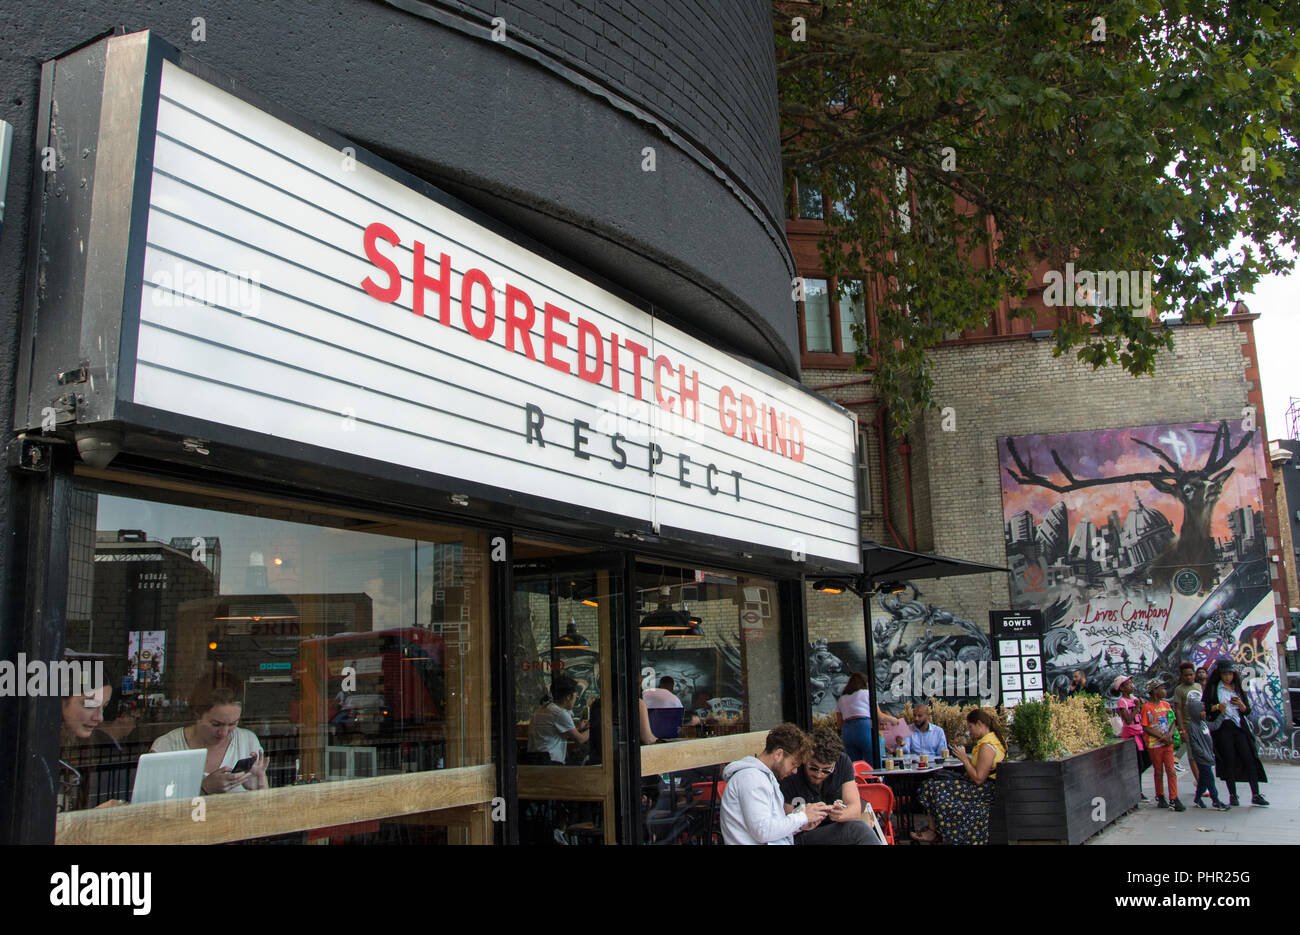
(925, 737)
(663, 696)
(959, 805)
(753, 811)
(827, 776)
(552, 726)
(216, 728)
(92, 769)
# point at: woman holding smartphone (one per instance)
(236, 761)
(1226, 710)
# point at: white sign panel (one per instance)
(293, 291)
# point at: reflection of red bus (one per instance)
(396, 683)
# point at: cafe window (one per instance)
(710, 651)
(567, 735)
(837, 647)
(304, 649)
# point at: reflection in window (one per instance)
(324, 647)
(557, 645)
(837, 647)
(817, 315)
(717, 638)
(684, 807)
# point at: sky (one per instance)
(1277, 340)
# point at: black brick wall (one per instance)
(707, 69)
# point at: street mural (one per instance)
(1144, 548)
(920, 651)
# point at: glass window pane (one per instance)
(817, 315)
(684, 807)
(325, 647)
(853, 310)
(837, 647)
(721, 674)
(558, 626)
(840, 206)
(811, 205)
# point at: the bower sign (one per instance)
(294, 291)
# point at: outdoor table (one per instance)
(904, 783)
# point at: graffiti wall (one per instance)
(1144, 548)
(920, 651)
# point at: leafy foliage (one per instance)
(1031, 730)
(1162, 139)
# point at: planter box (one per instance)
(1053, 801)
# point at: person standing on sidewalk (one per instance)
(1200, 746)
(1158, 724)
(1186, 684)
(1127, 706)
(1227, 709)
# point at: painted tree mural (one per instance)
(1197, 488)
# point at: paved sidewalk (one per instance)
(1277, 824)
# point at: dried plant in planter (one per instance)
(1048, 729)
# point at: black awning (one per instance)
(882, 563)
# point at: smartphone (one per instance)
(244, 765)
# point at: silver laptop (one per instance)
(163, 777)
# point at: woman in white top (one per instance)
(216, 727)
(853, 715)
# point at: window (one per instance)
(830, 311)
(840, 207)
(864, 469)
(837, 647)
(726, 668)
(817, 316)
(852, 310)
(329, 647)
(812, 205)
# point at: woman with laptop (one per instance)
(235, 759)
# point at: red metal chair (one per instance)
(862, 770)
(881, 799)
(710, 794)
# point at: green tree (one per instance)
(1114, 134)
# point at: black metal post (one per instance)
(867, 588)
(503, 686)
(32, 732)
(625, 644)
(794, 647)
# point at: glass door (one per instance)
(568, 733)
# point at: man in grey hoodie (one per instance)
(753, 809)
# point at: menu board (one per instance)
(1017, 638)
